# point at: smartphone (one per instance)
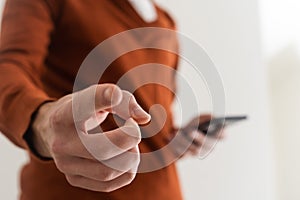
(218, 123)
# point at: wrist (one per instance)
(39, 136)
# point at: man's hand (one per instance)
(191, 141)
(55, 135)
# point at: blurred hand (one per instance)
(191, 141)
(56, 136)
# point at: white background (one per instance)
(245, 165)
(281, 39)
(242, 166)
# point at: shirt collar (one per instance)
(146, 9)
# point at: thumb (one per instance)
(88, 102)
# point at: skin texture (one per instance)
(55, 136)
(196, 140)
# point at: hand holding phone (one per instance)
(216, 124)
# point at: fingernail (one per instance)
(139, 113)
(108, 93)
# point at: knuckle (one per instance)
(72, 180)
(133, 135)
(130, 95)
(134, 156)
(61, 165)
(112, 86)
(132, 101)
(94, 87)
(55, 120)
(136, 139)
(57, 147)
(107, 188)
(104, 155)
(102, 88)
(130, 178)
(129, 98)
(106, 175)
(132, 141)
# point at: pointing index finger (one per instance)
(129, 108)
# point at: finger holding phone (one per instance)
(201, 133)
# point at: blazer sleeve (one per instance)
(25, 36)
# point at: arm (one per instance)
(100, 161)
(25, 36)
(26, 29)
